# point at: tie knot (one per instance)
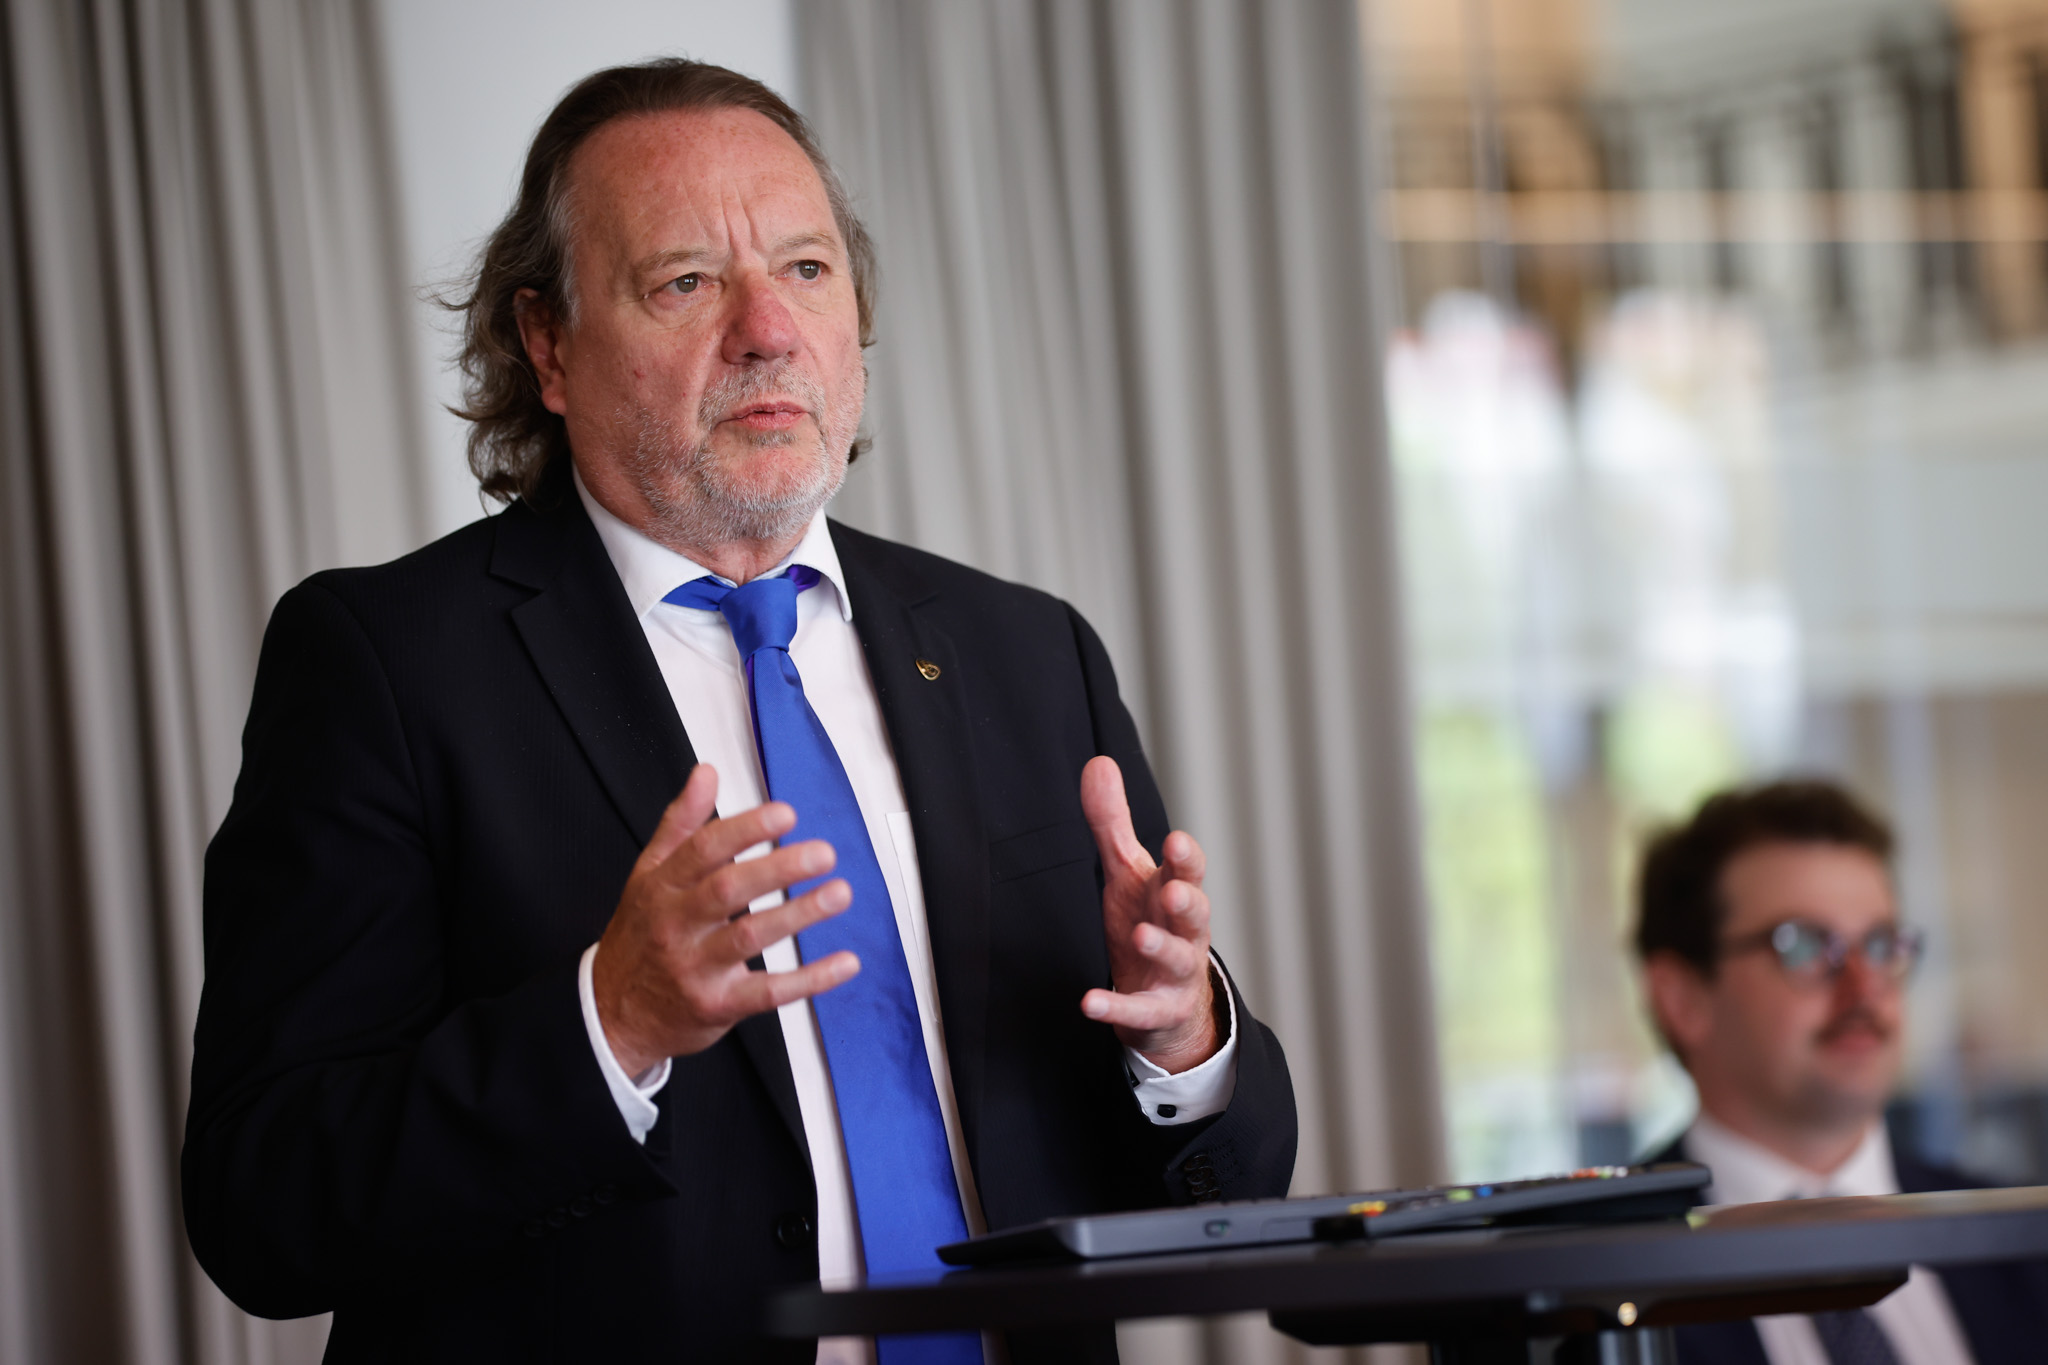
(762, 613)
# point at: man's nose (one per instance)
(1860, 979)
(760, 326)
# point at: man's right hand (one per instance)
(671, 972)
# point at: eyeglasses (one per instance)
(1811, 953)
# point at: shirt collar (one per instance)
(1746, 1172)
(651, 571)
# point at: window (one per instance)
(1718, 393)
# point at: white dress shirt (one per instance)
(702, 667)
(1916, 1317)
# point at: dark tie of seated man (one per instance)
(1775, 963)
(657, 893)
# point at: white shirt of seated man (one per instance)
(1917, 1317)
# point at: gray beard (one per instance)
(696, 503)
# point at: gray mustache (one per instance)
(1837, 1027)
(744, 387)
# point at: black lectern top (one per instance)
(1717, 1263)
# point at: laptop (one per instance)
(1591, 1194)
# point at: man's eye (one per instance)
(809, 270)
(686, 284)
(1798, 945)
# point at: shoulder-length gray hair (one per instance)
(513, 437)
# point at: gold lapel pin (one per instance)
(929, 669)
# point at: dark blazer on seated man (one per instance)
(1774, 963)
(414, 1082)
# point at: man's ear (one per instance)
(545, 340)
(1680, 1001)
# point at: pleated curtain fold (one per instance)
(205, 394)
(1128, 353)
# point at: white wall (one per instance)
(470, 82)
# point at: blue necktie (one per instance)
(904, 1192)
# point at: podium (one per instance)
(1479, 1296)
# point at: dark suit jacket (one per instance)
(450, 765)
(2003, 1308)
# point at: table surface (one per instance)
(1723, 1252)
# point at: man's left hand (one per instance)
(1156, 920)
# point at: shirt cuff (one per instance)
(1168, 1099)
(634, 1096)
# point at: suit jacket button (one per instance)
(535, 1229)
(579, 1207)
(604, 1194)
(558, 1218)
(793, 1230)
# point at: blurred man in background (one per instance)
(1775, 965)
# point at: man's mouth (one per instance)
(774, 414)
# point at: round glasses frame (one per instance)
(1813, 952)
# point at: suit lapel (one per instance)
(927, 720)
(761, 1037)
(581, 634)
(580, 631)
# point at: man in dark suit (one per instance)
(1774, 963)
(508, 1050)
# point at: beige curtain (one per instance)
(203, 397)
(1128, 354)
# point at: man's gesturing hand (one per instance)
(1157, 922)
(671, 971)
